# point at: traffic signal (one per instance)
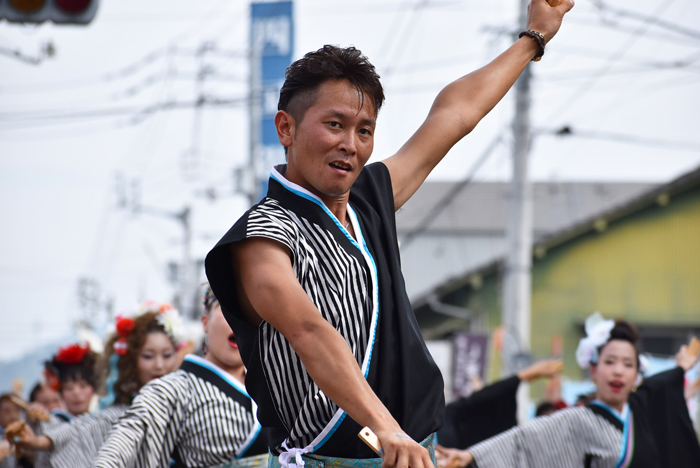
(58, 11)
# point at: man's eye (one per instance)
(334, 124)
(365, 131)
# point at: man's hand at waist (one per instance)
(400, 450)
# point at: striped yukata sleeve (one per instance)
(77, 443)
(182, 416)
(566, 439)
(144, 435)
(43, 459)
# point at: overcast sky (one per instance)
(76, 123)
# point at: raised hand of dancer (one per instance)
(688, 355)
(452, 458)
(547, 368)
(546, 19)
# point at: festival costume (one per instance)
(654, 430)
(76, 443)
(357, 287)
(57, 418)
(481, 415)
(197, 416)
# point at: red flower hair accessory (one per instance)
(124, 327)
(120, 346)
(72, 354)
(51, 380)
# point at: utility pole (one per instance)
(186, 272)
(518, 281)
(191, 157)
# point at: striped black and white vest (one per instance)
(357, 286)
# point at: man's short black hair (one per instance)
(303, 78)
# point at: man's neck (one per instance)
(335, 204)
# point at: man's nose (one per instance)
(349, 143)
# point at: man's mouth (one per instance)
(232, 341)
(341, 165)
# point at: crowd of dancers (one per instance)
(163, 408)
(160, 407)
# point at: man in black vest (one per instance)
(310, 279)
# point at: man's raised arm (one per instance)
(463, 103)
(268, 285)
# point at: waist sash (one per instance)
(319, 461)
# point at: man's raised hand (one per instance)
(546, 19)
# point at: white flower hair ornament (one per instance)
(169, 318)
(597, 334)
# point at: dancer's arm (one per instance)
(270, 291)
(463, 103)
(27, 439)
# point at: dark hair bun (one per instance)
(624, 330)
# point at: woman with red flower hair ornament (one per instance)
(200, 415)
(72, 373)
(142, 348)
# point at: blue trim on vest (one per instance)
(194, 359)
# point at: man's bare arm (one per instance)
(268, 282)
(460, 106)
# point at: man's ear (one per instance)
(285, 124)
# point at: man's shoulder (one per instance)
(269, 209)
(373, 181)
(376, 172)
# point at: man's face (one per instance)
(9, 412)
(334, 140)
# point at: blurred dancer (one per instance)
(200, 415)
(72, 373)
(142, 349)
(491, 410)
(45, 396)
(649, 427)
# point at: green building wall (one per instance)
(644, 268)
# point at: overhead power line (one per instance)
(657, 22)
(676, 145)
(610, 62)
(455, 190)
(44, 118)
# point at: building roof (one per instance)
(482, 206)
(660, 194)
